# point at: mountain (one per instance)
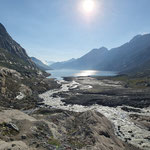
(63, 64)
(141, 64)
(49, 62)
(88, 61)
(21, 81)
(129, 56)
(13, 56)
(40, 64)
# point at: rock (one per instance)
(129, 131)
(12, 114)
(148, 138)
(12, 126)
(20, 96)
(3, 90)
(50, 129)
(104, 133)
(23, 137)
(25, 90)
(15, 145)
(10, 72)
(130, 109)
(83, 130)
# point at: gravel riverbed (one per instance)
(125, 128)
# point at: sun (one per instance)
(88, 6)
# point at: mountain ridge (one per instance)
(40, 64)
(13, 56)
(122, 59)
(83, 62)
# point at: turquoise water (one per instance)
(59, 74)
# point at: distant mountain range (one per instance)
(48, 62)
(133, 55)
(128, 56)
(40, 64)
(88, 61)
(59, 65)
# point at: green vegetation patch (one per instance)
(76, 143)
(54, 142)
(134, 82)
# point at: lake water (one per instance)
(59, 74)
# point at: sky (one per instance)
(58, 30)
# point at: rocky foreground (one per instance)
(127, 108)
(20, 91)
(50, 129)
(80, 113)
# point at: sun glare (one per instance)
(88, 6)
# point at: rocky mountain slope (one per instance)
(128, 56)
(20, 79)
(40, 64)
(13, 56)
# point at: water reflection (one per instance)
(87, 73)
(58, 74)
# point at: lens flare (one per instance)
(88, 6)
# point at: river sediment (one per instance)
(126, 108)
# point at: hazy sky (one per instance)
(60, 29)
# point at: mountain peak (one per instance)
(140, 37)
(97, 50)
(2, 30)
(136, 37)
(103, 48)
(2, 27)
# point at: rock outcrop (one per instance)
(15, 145)
(21, 92)
(49, 129)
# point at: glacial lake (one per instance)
(59, 74)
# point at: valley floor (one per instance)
(80, 113)
(126, 108)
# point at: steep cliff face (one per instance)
(19, 76)
(13, 56)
